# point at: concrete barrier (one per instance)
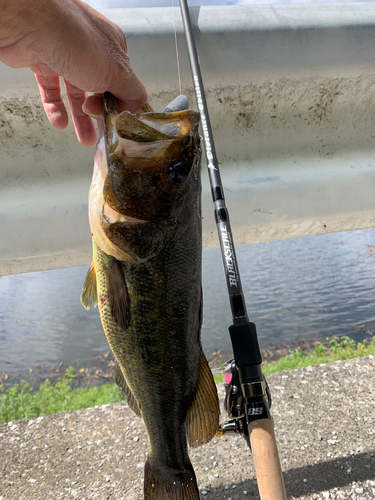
(290, 89)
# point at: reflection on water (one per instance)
(310, 287)
(305, 287)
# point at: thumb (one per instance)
(129, 90)
(131, 96)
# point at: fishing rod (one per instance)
(249, 407)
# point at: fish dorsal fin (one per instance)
(119, 302)
(202, 419)
(128, 126)
(89, 293)
(126, 392)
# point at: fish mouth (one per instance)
(140, 147)
(140, 180)
(147, 127)
(152, 127)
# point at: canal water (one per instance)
(309, 288)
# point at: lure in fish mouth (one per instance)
(145, 218)
(142, 166)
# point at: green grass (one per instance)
(338, 349)
(22, 402)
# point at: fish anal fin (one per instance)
(202, 419)
(89, 293)
(119, 303)
(126, 392)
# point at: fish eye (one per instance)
(178, 171)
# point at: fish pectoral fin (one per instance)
(202, 419)
(119, 302)
(89, 293)
(126, 392)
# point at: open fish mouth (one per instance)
(150, 128)
(143, 174)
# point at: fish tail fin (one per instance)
(161, 484)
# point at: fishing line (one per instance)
(175, 40)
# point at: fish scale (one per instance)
(150, 294)
(158, 388)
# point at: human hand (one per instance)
(68, 38)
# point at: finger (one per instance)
(50, 92)
(126, 86)
(82, 122)
(130, 91)
(100, 126)
(93, 106)
(123, 83)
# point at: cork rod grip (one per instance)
(266, 460)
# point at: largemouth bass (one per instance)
(145, 219)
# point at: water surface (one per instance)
(310, 287)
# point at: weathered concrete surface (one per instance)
(324, 419)
(291, 109)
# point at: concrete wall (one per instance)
(290, 90)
